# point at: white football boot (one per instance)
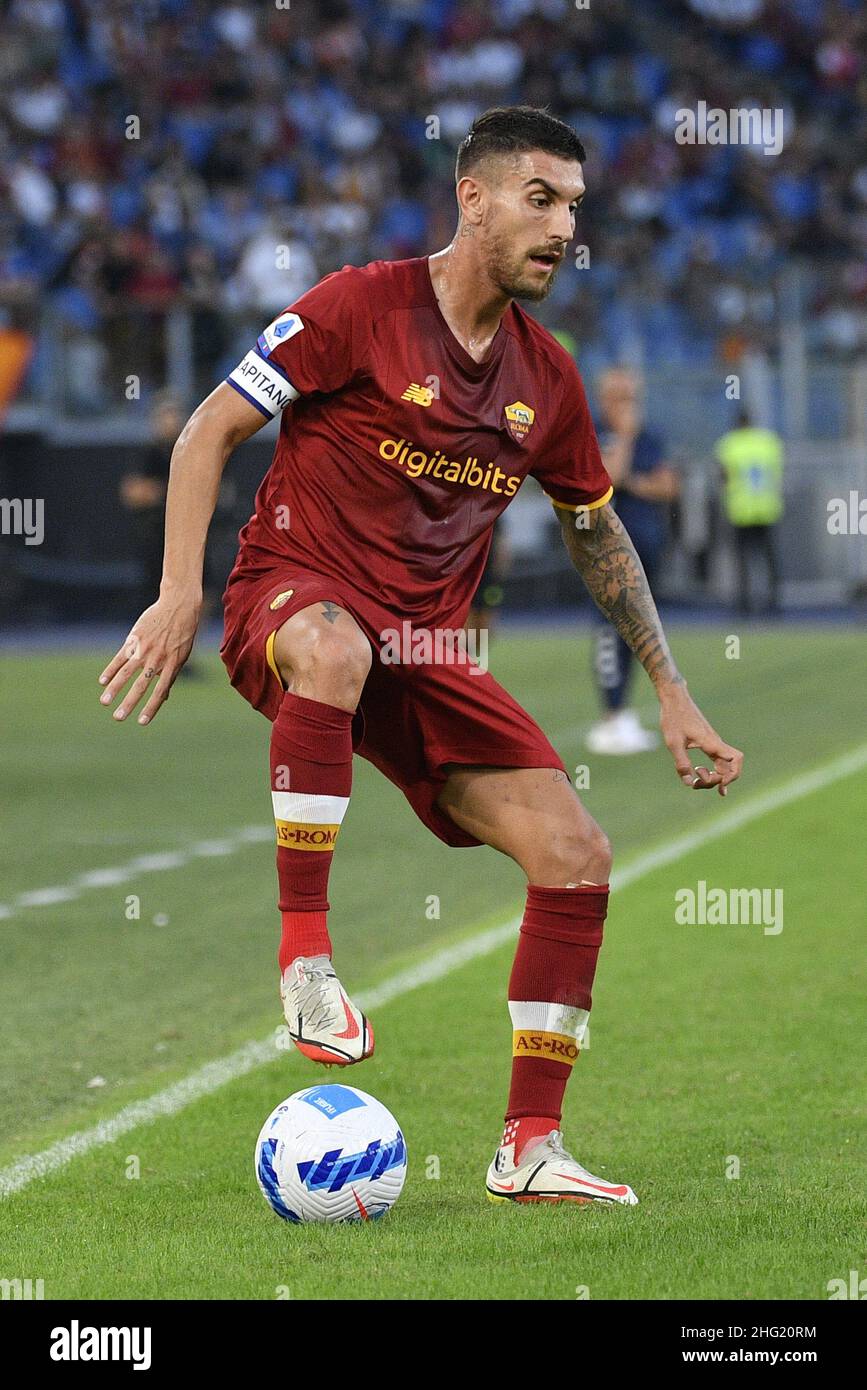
(322, 1022)
(548, 1173)
(623, 734)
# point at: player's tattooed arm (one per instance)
(603, 554)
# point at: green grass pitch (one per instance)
(713, 1048)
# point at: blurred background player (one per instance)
(644, 486)
(488, 598)
(751, 463)
(16, 352)
(143, 492)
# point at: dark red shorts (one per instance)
(412, 720)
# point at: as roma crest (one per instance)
(519, 420)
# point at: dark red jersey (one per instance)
(397, 451)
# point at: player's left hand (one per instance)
(683, 727)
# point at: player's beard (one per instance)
(510, 271)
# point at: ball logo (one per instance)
(332, 1100)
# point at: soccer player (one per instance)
(485, 605)
(415, 397)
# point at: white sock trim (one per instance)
(308, 809)
(538, 1016)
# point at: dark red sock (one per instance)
(303, 934)
(549, 1000)
(311, 778)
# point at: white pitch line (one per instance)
(739, 816)
(157, 863)
(160, 862)
(219, 1073)
(213, 1075)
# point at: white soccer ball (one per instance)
(330, 1153)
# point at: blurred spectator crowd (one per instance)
(224, 156)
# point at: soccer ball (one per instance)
(330, 1153)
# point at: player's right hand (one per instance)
(156, 649)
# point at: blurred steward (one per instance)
(751, 463)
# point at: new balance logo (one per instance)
(421, 395)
